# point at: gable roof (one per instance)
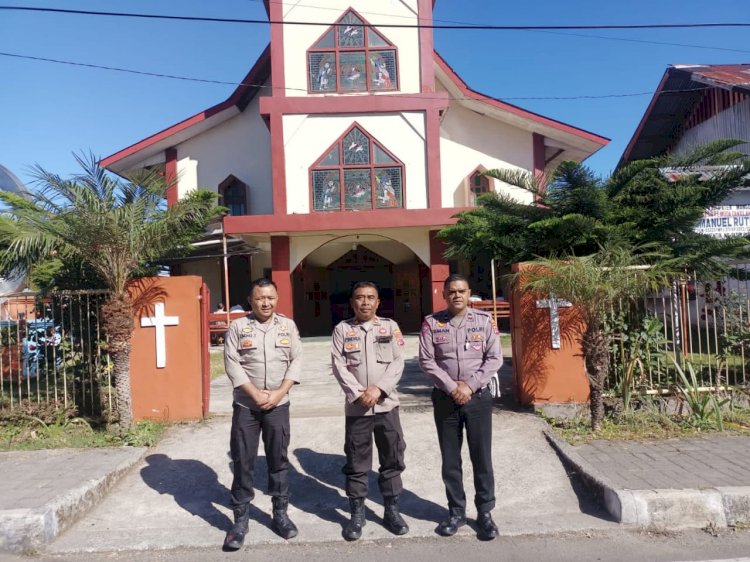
(679, 90)
(195, 124)
(585, 142)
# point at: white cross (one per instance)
(554, 318)
(159, 321)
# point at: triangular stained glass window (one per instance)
(356, 147)
(332, 159)
(351, 31)
(374, 39)
(328, 41)
(380, 156)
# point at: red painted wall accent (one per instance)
(353, 104)
(341, 220)
(174, 392)
(278, 165)
(281, 274)
(439, 271)
(434, 189)
(170, 171)
(277, 49)
(542, 374)
(427, 70)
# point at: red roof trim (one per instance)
(469, 93)
(646, 115)
(258, 73)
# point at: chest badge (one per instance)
(246, 343)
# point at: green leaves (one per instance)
(656, 202)
(99, 223)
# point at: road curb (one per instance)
(659, 508)
(27, 530)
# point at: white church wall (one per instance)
(469, 140)
(240, 146)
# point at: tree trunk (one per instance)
(596, 358)
(121, 370)
(118, 324)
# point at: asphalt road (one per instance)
(616, 546)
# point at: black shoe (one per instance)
(392, 518)
(353, 529)
(236, 535)
(282, 525)
(450, 526)
(487, 528)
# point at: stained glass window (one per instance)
(322, 71)
(356, 148)
(372, 177)
(326, 187)
(352, 57)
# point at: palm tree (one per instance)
(595, 285)
(115, 226)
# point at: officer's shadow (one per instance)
(318, 492)
(194, 486)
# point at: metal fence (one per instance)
(703, 322)
(52, 352)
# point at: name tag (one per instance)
(247, 343)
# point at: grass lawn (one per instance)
(216, 358)
(649, 424)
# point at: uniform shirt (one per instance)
(365, 354)
(262, 354)
(459, 348)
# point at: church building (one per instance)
(347, 147)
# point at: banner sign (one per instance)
(726, 220)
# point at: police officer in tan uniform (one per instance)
(367, 362)
(459, 351)
(262, 357)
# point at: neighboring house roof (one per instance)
(584, 142)
(680, 89)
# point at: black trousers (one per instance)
(247, 428)
(389, 439)
(476, 418)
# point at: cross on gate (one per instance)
(159, 321)
(554, 318)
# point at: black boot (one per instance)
(282, 525)
(392, 518)
(236, 535)
(487, 530)
(353, 529)
(456, 519)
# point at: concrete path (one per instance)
(178, 496)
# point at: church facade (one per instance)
(345, 150)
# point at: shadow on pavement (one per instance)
(194, 486)
(326, 470)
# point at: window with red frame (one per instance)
(478, 185)
(372, 178)
(352, 57)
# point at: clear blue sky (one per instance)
(48, 111)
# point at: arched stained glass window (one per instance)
(352, 57)
(372, 178)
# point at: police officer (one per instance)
(262, 357)
(459, 350)
(368, 363)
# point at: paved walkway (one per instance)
(176, 495)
